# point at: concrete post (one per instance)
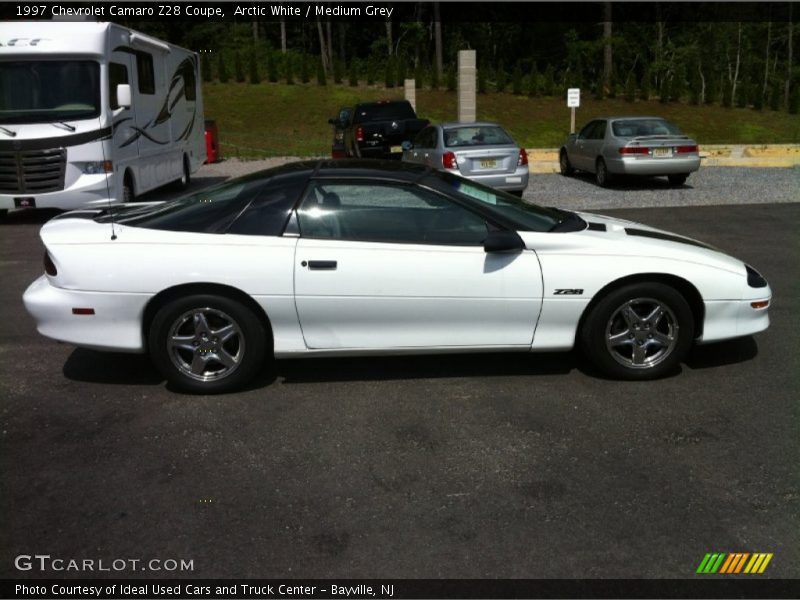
(411, 93)
(467, 88)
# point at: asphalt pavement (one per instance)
(499, 465)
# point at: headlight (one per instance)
(754, 278)
(92, 168)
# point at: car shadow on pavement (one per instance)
(29, 216)
(110, 367)
(432, 366)
(633, 183)
(719, 354)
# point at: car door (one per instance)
(394, 266)
(580, 159)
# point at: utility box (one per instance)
(212, 142)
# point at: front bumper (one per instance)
(86, 192)
(115, 325)
(727, 319)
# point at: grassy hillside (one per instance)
(292, 120)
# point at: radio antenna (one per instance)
(108, 187)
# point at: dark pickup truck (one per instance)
(378, 129)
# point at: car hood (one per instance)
(619, 237)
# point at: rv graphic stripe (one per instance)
(62, 141)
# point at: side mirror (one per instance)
(503, 241)
(406, 145)
(124, 95)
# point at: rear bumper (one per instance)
(512, 182)
(116, 324)
(632, 165)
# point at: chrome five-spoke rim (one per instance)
(205, 344)
(641, 333)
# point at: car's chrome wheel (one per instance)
(638, 331)
(642, 333)
(207, 343)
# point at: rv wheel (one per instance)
(127, 190)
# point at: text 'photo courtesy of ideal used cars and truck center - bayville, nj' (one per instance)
(399, 300)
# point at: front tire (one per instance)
(564, 165)
(128, 194)
(639, 331)
(186, 176)
(207, 344)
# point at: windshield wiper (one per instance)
(8, 131)
(66, 126)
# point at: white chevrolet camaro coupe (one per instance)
(366, 257)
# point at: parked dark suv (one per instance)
(378, 129)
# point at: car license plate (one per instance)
(488, 164)
(395, 149)
(25, 202)
(662, 152)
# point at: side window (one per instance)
(586, 132)
(394, 213)
(145, 73)
(599, 131)
(189, 84)
(423, 138)
(268, 212)
(117, 74)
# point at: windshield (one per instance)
(524, 216)
(384, 111)
(477, 135)
(40, 91)
(644, 127)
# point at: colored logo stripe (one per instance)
(734, 563)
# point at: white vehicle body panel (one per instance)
(150, 140)
(381, 298)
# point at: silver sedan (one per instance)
(649, 146)
(483, 152)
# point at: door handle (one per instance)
(321, 265)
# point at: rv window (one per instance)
(117, 74)
(189, 84)
(144, 70)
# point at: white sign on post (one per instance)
(573, 98)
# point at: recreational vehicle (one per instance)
(94, 113)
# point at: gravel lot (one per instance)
(709, 186)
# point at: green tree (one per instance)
(205, 66)
(287, 70)
(372, 70)
(353, 73)
(222, 69)
(253, 64)
(775, 95)
(630, 88)
(644, 86)
(451, 79)
(534, 82)
(712, 88)
(272, 67)
(481, 79)
(338, 71)
(727, 89)
(321, 78)
(401, 72)
(305, 76)
(794, 97)
(500, 78)
(389, 74)
(549, 85)
(238, 68)
(516, 79)
(419, 76)
(434, 77)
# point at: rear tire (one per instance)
(639, 331)
(677, 180)
(564, 165)
(602, 176)
(3, 214)
(207, 344)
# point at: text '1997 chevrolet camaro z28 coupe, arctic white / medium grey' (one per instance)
(367, 257)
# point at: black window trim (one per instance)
(492, 224)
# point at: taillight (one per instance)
(523, 157)
(634, 150)
(449, 160)
(49, 266)
(359, 134)
(683, 149)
